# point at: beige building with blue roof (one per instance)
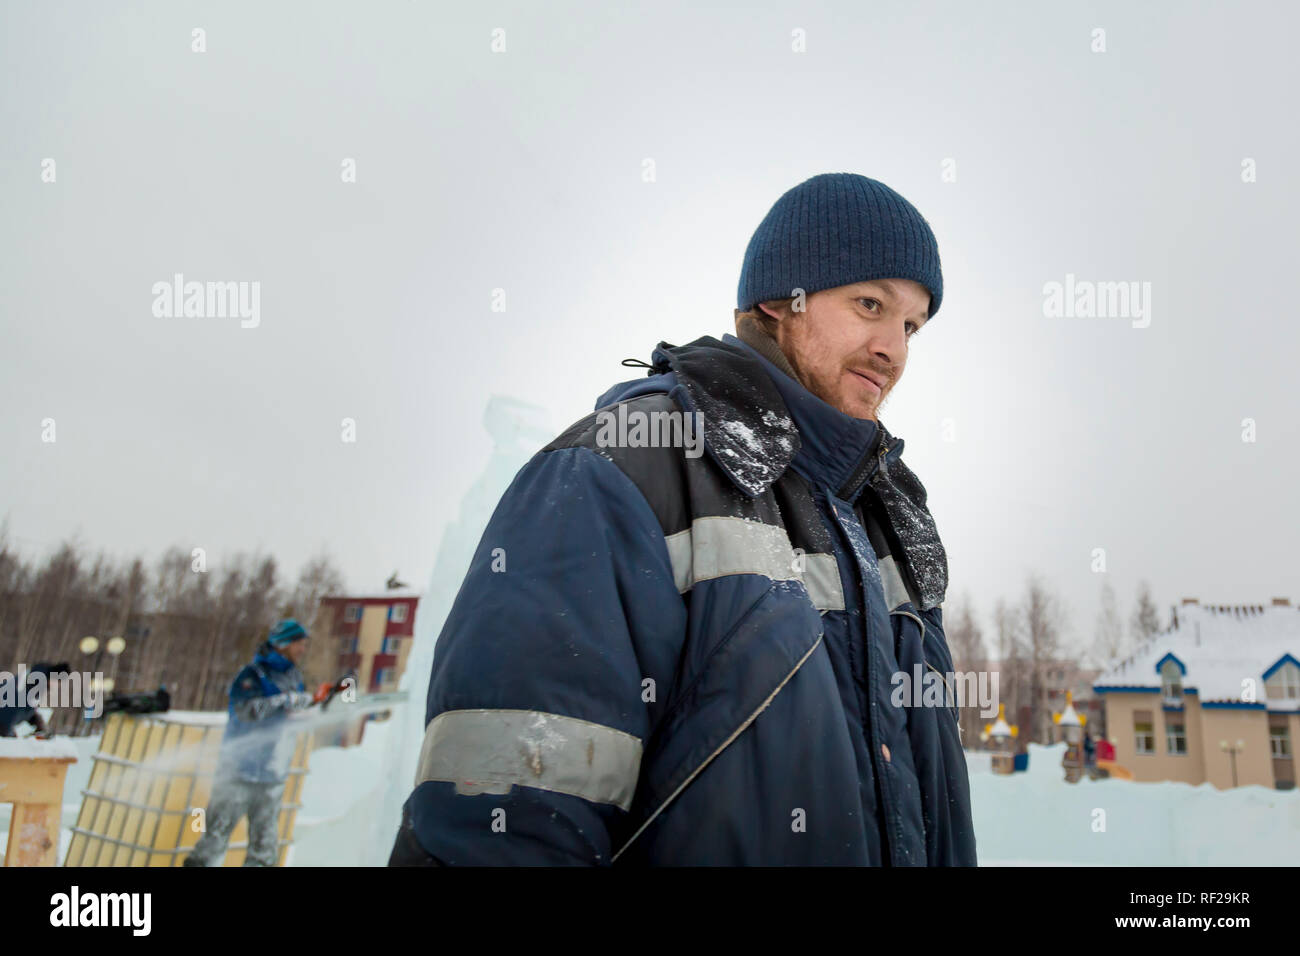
(1215, 698)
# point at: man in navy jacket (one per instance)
(678, 639)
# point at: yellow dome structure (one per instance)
(1000, 727)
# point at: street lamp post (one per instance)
(115, 647)
(90, 645)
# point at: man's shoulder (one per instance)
(652, 440)
(600, 430)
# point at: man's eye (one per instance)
(877, 301)
(913, 328)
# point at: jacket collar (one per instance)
(758, 421)
(836, 450)
(747, 431)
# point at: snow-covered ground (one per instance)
(1035, 817)
(1032, 818)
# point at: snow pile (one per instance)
(1036, 818)
(343, 799)
(32, 748)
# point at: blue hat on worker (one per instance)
(837, 229)
(286, 632)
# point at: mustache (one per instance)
(886, 371)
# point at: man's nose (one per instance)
(889, 345)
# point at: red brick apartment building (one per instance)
(371, 634)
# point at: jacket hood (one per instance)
(833, 445)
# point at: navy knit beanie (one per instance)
(836, 229)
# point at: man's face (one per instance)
(849, 346)
(294, 650)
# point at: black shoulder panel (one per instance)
(658, 471)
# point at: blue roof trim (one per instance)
(1279, 664)
(1136, 689)
(1182, 668)
(1124, 688)
(1231, 705)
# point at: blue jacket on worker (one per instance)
(663, 656)
(255, 747)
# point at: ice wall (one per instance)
(518, 430)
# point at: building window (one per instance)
(351, 613)
(390, 645)
(1284, 684)
(397, 613)
(1175, 739)
(351, 645)
(1171, 683)
(1279, 742)
(1144, 737)
(382, 675)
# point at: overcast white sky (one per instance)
(522, 170)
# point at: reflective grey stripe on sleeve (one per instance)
(892, 581)
(490, 751)
(716, 547)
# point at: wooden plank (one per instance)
(34, 780)
(147, 821)
(117, 734)
(33, 835)
(125, 816)
(81, 845)
(173, 827)
(143, 749)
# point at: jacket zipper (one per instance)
(721, 747)
(860, 475)
(861, 472)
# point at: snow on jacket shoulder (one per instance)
(663, 657)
